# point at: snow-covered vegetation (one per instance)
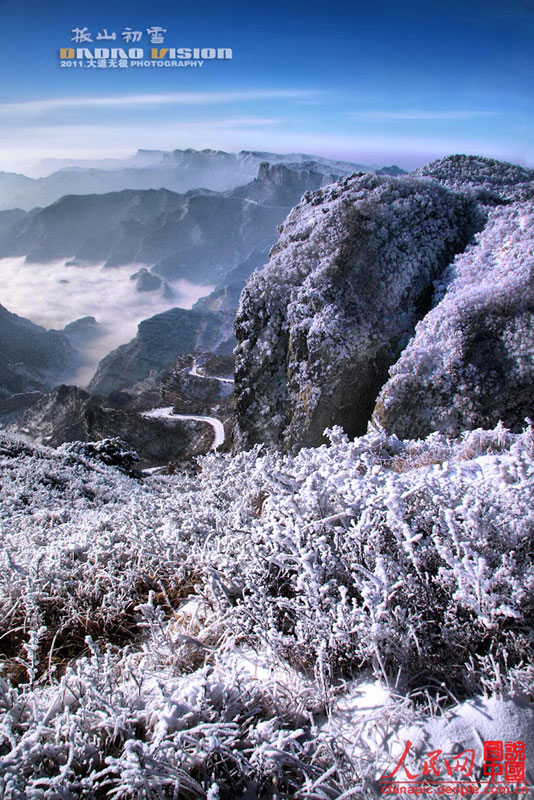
(463, 172)
(270, 625)
(470, 362)
(190, 636)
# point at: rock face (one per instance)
(471, 363)
(83, 331)
(32, 358)
(393, 170)
(350, 276)
(303, 177)
(160, 340)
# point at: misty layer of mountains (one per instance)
(177, 170)
(200, 235)
(208, 217)
(380, 289)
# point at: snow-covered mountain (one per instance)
(356, 267)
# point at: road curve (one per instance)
(194, 371)
(166, 413)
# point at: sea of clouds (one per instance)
(54, 294)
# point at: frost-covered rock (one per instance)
(113, 452)
(470, 363)
(487, 177)
(351, 274)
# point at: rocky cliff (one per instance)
(32, 358)
(160, 340)
(351, 274)
(470, 363)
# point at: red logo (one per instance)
(502, 772)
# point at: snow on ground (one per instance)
(469, 724)
(240, 631)
(167, 413)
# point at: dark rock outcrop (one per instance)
(393, 170)
(32, 358)
(146, 281)
(83, 331)
(350, 276)
(70, 414)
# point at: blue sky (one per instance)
(373, 82)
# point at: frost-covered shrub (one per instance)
(185, 634)
(461, 172)
(114, 452)
(350, 556)
(112, 728)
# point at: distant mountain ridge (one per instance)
(176, 170)
(200, 235)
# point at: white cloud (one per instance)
(417, 114)
(32, 107)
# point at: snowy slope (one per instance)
(197, 629)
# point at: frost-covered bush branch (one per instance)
(223, 610)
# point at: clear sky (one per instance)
(373, 81)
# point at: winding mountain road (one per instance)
(166, 413)
(194, 371)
